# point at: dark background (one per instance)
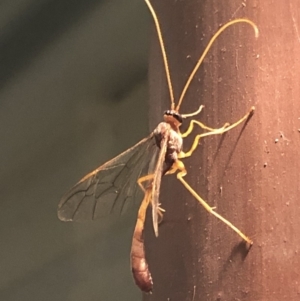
(73, 93)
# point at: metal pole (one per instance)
(251, 174)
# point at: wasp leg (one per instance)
(182, 172)
(150, 177)
(203, 126)
(145, 190)
(161, 211)
(144, 179)
(219, 131)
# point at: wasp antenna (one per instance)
(163, 50)
(194, 113)
(216, 35)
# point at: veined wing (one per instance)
(158, 173)
(139, 265)
(111, 188)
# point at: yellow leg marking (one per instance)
(147, 196)
(180, 175)
(144, 179)
(143, 208)
(219, 131)
(150, 177)
(171, 171)
(196, 143)
(161, 211)
(145, 190)
(203, 126)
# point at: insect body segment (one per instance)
(169, 142)
(139, 265)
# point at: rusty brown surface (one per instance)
(251, 174)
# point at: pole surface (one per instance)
(251, 174)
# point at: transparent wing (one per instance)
(110, 189)
(158, 173)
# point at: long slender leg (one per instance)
(144, 179)
(139, 265)
(196, 143)
(219, 131)
(203, 126)
(150, 177)
(182, 172)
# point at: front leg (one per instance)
(203, 126)
(219, 131)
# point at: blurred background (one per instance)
(73, 94)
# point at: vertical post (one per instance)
(251, 174)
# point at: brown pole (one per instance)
(251, 174)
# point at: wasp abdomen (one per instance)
(139, 265)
